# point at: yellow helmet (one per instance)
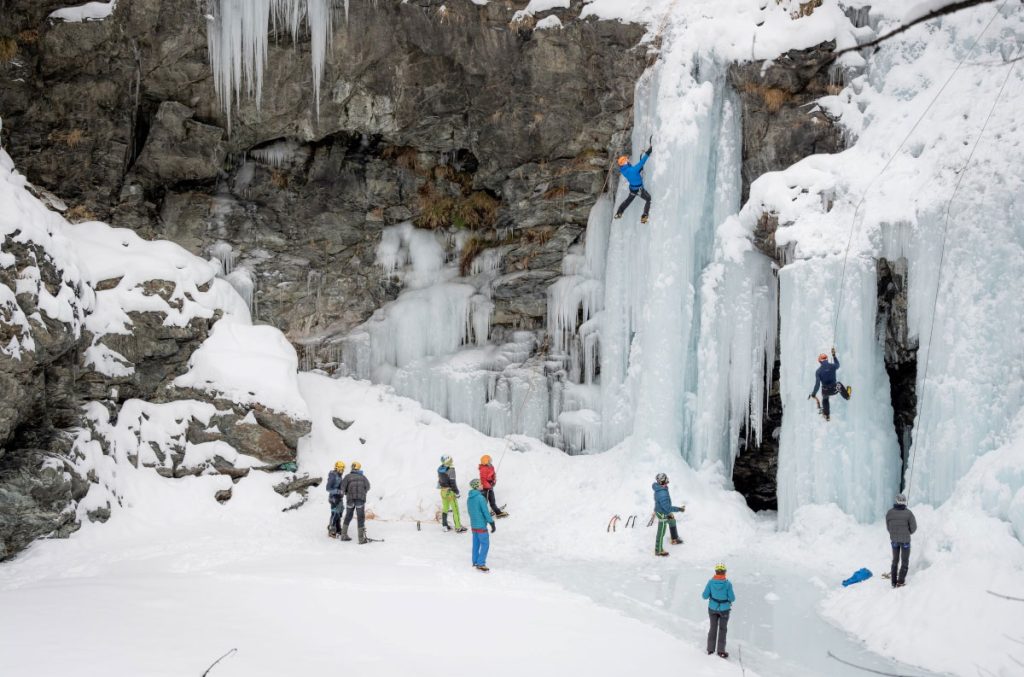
(356, 465)
(720, 567)
(485, 460)
(339, 466)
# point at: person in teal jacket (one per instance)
(720, 597)
(479, 519)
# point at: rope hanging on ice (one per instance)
(861, 667)
(863, 197)
(942, 256)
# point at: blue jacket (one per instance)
(719, 594)
(662, 501)
(479, 513)
(632, 173)
(334, 483)
(826, 374)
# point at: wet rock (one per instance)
(297, 484)
(341, 424)
(223, 496)
(179, 148)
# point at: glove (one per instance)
(494, 527)
(810, 397)
(458, 495)
(833, 351)
(650, 149)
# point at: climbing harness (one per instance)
(942, 257)
(863, 197)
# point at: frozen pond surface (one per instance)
(775, 625)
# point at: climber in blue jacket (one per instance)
(633, 174)
(720, 597)
(663, 510)
(825, 378)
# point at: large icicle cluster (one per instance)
(238, 34)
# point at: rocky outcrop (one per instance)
(900, 349)
(442, 112)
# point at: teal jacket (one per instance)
(719, 594)
(479, 512)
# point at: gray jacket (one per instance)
(355, 486)
(901, 523)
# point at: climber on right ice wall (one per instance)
(825, 378)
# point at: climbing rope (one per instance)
(942, 256)
(861, 667)
(863, 197)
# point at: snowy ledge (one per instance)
(90, 11)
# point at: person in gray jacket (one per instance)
(354, 488)
(901, 524)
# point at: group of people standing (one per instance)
(352, 487)
(481, 504)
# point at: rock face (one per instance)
(442, 112)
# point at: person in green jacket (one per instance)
(479, 519)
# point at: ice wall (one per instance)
(854, 460)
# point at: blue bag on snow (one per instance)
(857, 577)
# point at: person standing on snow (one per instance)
(336, 498)
(449, 494)
(488, 478)
(825, 377)
(633, 174)
(663, 509)
(479, 519)
(355, 487)
(720, 597)
(901, 524)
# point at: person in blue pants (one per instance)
(634, 175)
(479, 520)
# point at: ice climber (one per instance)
(901, 524)
(825, 377)
(449, 494)
(354, 487)
(479, 519)
(663, 509)
(720, 597)
(334, 495)
(634, 174)
(488, 478)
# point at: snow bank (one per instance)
(90, 11)
(249, 365)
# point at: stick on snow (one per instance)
(997, 594)
(218, 661)
(861, 667)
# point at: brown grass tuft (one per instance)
(8, 48)
(405, 157)
(556, 193)
(28, 37)
(278, 179)
(773, 98)
(79, 213)
(538, 236)
(470, 250)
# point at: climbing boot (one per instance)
(643, 219)
(677, 541)
(501, 514)
(444, 522)
(723, 654)
(344, 533)
(618, 215)
(482, 567)
(362, 537)
(460, 530)
(849, 391)
(661, 553)
(331, 532)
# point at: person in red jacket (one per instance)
(488, 478)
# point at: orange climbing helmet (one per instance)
(822, 357)
(485, 460)
(623, 160)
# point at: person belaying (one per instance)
(449, 494)
(634, 175)
(479, 519)
(334, 495)
(664, 510)
(901, 524)
(488, 478)
(825, 377)
(355, 487)
(720, 597)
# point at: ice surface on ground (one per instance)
(90, 11)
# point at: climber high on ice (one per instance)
(634, 174)
(825, 377)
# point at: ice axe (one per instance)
(612, 523)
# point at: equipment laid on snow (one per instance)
(612, 523)
(859, 575)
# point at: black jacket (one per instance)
(901, 523)
(355, 486)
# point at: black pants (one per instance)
(490, 499)
(827, 391)
(719, 629)
(900, 551)
(359, 509)
(643, 194)
(337, 508)
(672, 528)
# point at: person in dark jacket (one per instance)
(479, 519)
(901, 524)
(355, 487)
(336, 498)
(663, 510)
(825, 378)
(488, 478)
(449, 494)
(634, 175)
(720, 597)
